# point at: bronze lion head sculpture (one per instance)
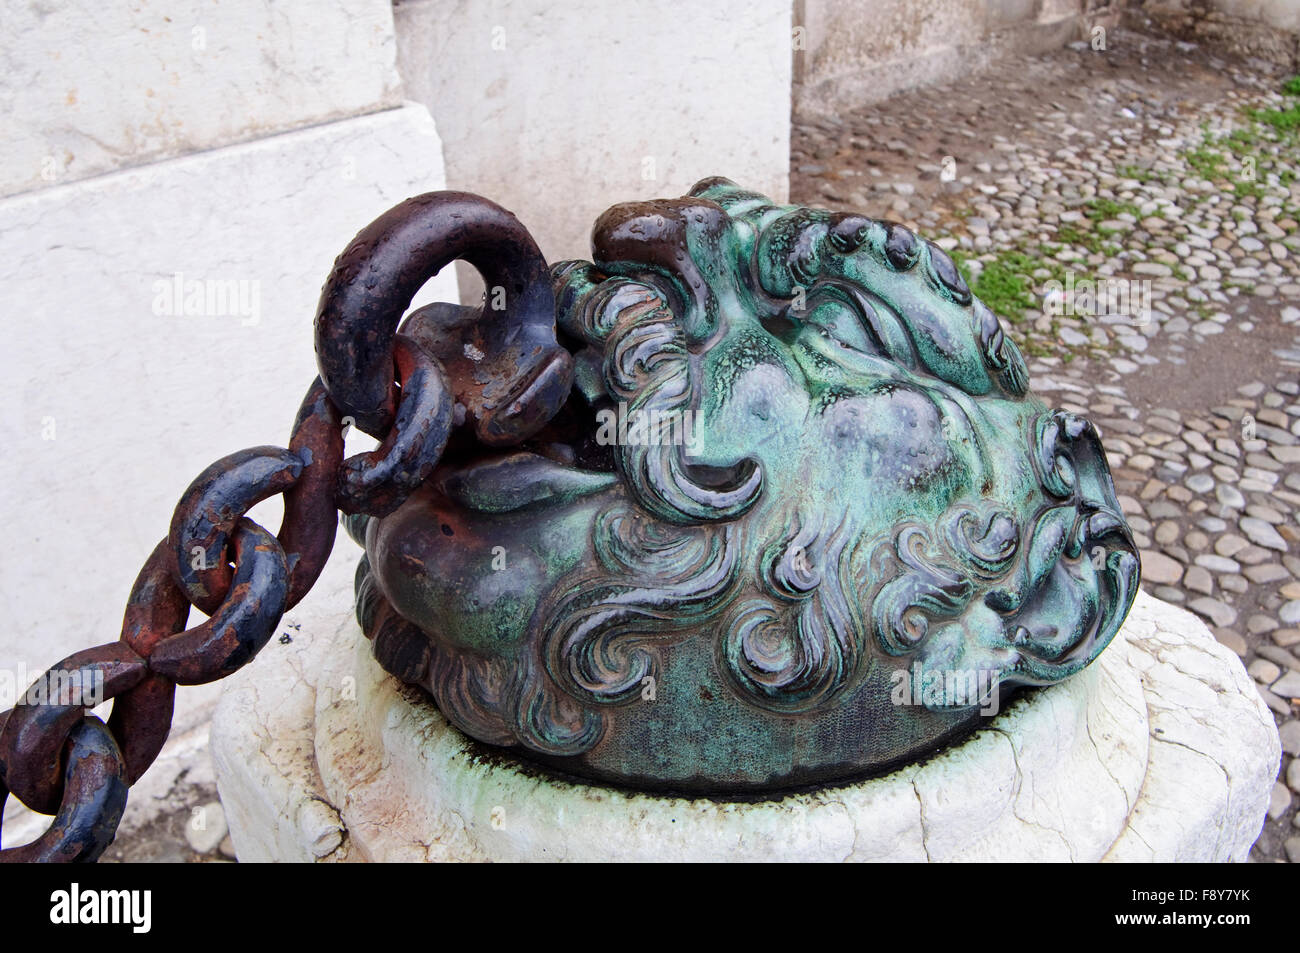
(796, 522)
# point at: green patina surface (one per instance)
(800, 482)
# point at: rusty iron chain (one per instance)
(57, 758)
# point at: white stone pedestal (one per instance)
(1162, 750)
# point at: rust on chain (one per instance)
(242, 624)
(142, 716)
(500, 369)
(210, 507)
(94, 790)
(508, 372)
(141, 720)
(310, 515)
(376, 483)
(37, 727)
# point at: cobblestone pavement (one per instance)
(1131, 213)
(190, 829)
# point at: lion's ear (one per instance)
(644, 303)
(667, 237)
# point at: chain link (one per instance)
(58, 760)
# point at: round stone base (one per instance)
(1161, 750)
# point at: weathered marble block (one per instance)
(1159, 751)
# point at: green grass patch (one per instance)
(1138, 173)
(1285, 121)
(1093, 241)
(1100, 209)
(1241, 142)
(1248, 188)
(1005, 284)
(1207, 162)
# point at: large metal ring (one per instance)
(511, 377)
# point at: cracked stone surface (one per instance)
(1162, 750)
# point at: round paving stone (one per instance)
(1229, 545)
(1198, 579)
(1159, 569)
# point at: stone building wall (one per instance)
(862, 51)
(558, 110)
(1265, 28)
(93, 87)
